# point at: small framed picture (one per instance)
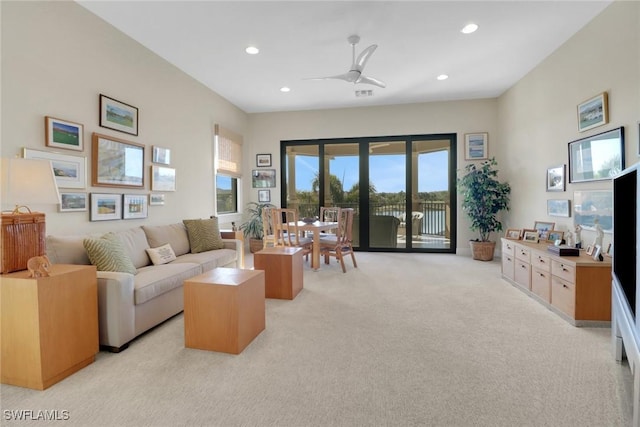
(161, 155)
(156, 199)
(513, 234)
(263, 160)
(73, 202)
(589, 249)
(106, 207)
(118, 116)
(543, 228)
(63, 134)
(264, 196)
(593, 112)
(559, 208)
(555, 178)
(134, 206)
(597, 253)
(163, 178)
(476, 146)
(263, 178)
(555, 235)
(609, 251)
(530, 236)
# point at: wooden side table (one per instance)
(224, 309)
(283, 271)
(239, 235)
(49, 325)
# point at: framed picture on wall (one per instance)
(106, 207)
(555, 178)
(163, 178)
(116, 162)
(161, 155)
(263, 178)
(134, 206)
(63, 134)
(264, 196)
(263, 160)
(597, 157)
(593, 112)
(70, 171)
(73, 202)
(476, 146)
(559, 207)
(118, 116)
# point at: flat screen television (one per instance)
(625, 220)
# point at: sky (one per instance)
(387, 172)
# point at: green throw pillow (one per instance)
(204, 234)
(107, 253)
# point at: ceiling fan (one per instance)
(354, 75)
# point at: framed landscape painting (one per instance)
(476, 146)
(118, 116)
(106, 207)
(73, 202)
(116, 163)
(69, 171)
(163, 178)
(63, 134)
(593, 112)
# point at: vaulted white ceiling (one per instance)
(417, 41)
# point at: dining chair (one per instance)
(269, 237)
(286, 231)
(341, 244)
(329, 213)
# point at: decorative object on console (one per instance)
(476, 146)
(563, 250)
(118, 116)
(63, 134)
(599, 233)
(593, 112)
(555, 235)
(578, 230)
(555, 178)
(597, 157)
(116, 162)
(39, 266)
(25, 181)
(483, 197)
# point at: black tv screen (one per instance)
(625, 233)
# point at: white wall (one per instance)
(537, 117)
(268, 129)
(57, 58)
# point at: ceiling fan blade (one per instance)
(351, 77)
(364, 57)
(371, 81)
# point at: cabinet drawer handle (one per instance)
(541, 260)
(541, 275)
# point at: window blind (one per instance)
(229, 152)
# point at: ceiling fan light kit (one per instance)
(354, 75)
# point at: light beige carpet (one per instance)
(404, 340)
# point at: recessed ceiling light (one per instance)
(469, 28)
(442, 77)
(285, 89)
(252, 50)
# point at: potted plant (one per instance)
(483, 197)
(252, 228)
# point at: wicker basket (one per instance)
(482, 251)
(23, 237)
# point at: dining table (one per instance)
(316, 228)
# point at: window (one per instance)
(228, 169)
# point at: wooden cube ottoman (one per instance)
(283, 271)
(224, 309)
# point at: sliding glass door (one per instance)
(402, 188)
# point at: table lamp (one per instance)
(25, 181)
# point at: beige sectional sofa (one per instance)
(130, 303)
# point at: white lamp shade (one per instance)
(29, 181)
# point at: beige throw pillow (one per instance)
(204, 234)
(161, 255)
(107, 253)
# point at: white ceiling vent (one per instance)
(364, 93)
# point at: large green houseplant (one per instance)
(483, 197)
(252, 228)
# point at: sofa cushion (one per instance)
(107, 253)
(174, 234)
(210, 259)
(161, 255)
(67, 250)
(135, 243)
(204, 234)
(153, 281)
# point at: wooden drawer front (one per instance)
(541, 261)
(541, 283)
(563, 271)
(522, 274)
(507, 248)
(563, 296)
(523, 253)
(507, 265)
